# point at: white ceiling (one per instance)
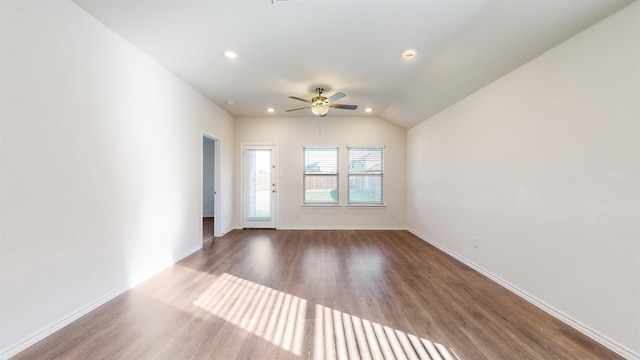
(353, 46)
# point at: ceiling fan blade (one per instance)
(341, 106)
(306, 107)
(336, 96)
(301, 99)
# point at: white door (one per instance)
(259, 186)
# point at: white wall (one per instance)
(543, 167)
(292, 134)
(100, 167)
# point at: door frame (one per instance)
(243, 195)
(216, 182)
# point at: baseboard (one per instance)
(225, 232)
(341, 228)
(586, 330)
(52, 328)
(59, 324)
(183, 255)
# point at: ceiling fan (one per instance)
(320, 105)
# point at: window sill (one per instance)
(366, 205)
(322, 205)
(348, 205)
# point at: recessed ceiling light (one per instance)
(271, 110)
(230, 54)
(368, 109)
(409, 53)
(230, 102)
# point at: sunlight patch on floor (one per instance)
(273, 315)
(342, 336)
(279, 318)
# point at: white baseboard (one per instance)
(59, 324)
(341, 228)
(227, 231)
(186, 253)
(586, 330)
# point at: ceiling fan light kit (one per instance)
(320, 105)
(319, 108)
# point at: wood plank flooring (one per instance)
(269, 294)
(207, 228)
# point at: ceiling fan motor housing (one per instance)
(320, 100)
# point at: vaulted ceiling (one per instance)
(289, 48)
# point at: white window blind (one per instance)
(320, 175)
(259, 201)
(366, 167)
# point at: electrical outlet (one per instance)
(475, 242)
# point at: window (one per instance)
(321, 175)
(365, 175)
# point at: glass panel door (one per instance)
(259, 187)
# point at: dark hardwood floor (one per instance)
(272, 294)
(207, 228)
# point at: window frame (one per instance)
(309, 175)
(354, 173)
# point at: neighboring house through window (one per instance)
(366, 167)
(321, 176)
